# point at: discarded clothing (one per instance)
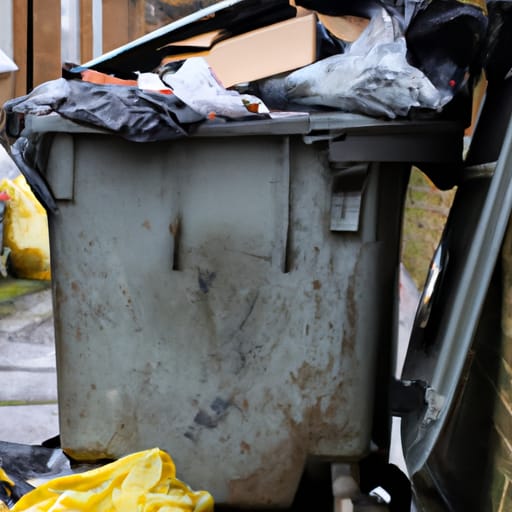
(141, 482)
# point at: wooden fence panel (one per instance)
(36, 42)
(37, 31)
(47, 40)
(86, 30)
(19, 25)
(123, 21)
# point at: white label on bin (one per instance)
(345, 209)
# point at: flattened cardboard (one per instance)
(260, 53)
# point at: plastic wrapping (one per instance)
(445, 41)
(195, 84)
(127, 111)
(373, 77)
(25, 231)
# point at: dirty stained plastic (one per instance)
(248, 333)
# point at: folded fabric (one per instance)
(141, 482)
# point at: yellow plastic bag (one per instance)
(26, 231)
(141, 482)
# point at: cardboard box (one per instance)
(260, 53)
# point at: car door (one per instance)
(457, 442)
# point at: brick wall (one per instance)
(502, 383)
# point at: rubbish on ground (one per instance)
(141, 482)
(373, 77)
(12, 489)
(34, 463)
(25, 231)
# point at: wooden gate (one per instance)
(37, 28)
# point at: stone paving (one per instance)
(28, 390)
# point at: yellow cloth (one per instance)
(141, 482)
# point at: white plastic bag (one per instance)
(373, 77)
(195, 84)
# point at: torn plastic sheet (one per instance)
(127, 111)
(373, 77)
(30, 157)
(26, 465)
(29, 465)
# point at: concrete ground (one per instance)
(28, 390)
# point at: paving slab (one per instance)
(28, 424)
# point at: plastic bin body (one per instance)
(224, 298)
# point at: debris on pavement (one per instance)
(142, 481)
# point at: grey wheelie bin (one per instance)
(231, 296)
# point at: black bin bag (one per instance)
(498, 54)
(445, 40)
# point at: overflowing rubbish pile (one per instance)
(245, 59)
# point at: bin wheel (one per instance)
(375, 473)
